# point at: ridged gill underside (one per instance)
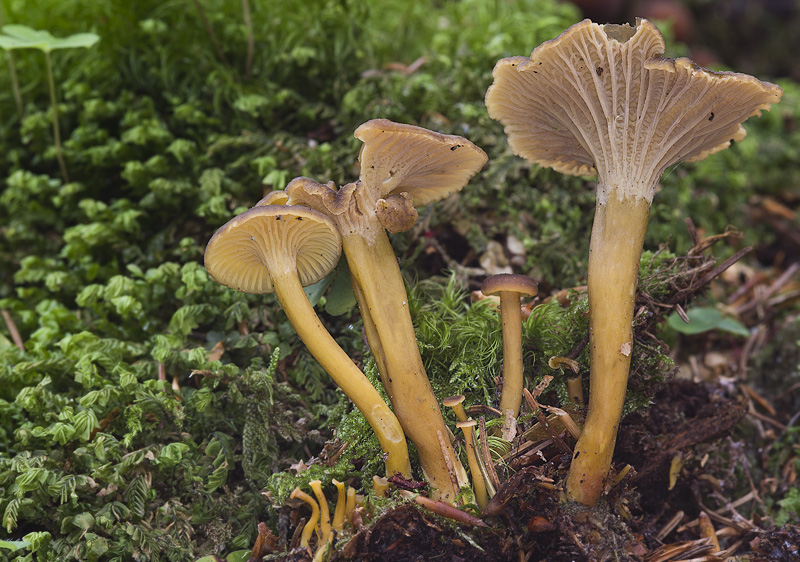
(601, 99)
(398, 158)
(279, 237)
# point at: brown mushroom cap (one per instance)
(240, 252)
(398, 158)
(601, 99)
(510, 282)
(467, 423)
(452, 401)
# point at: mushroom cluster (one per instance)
(402, 167)
(293, 238)
(601, 100)
(597, 100)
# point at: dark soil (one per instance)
(528, 519)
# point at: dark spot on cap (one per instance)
(599, 70)
(711, 118)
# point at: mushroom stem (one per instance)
(378, 279)
(375, 346)
(478, 483)
(342, 370)
(511, 320)
(510, 288)
(350, 504)
(616, 245)
(380, 486)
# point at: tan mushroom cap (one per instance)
(467, 423)
(398, 158)
(510, 283)
(276, 197)
(240, 252)
(601, 99)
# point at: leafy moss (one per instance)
(102, 459)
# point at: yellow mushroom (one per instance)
(281, 248)
(478, 482)
(341, 504)
(601, 99)
(324, 512)
(311, 524)
(510, 287)
(402, 166)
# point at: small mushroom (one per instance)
(281, 248)
(456, 403)
(324, 511)
(601, 99)
(510, 287)
(426, 166)
(380, 486)
(478, 482)
(311, 524)
(341, 503)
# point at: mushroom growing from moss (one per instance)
(510, 287)
(281, 248)
(601, 99)
(478, 482)
(402, 166)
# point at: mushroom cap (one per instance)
(276, 197)
(451, 401)
(241, 251)
(468, 423)
(510, 282)
(601, 99)
(398, 158)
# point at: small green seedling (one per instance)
(23, 37)
(12, 71)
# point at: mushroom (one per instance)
(510, 287)
(402, 166)
(478, 482)
(324, 511)
(341, 503)
(601, 99)
(311, 524)
(283, 248)
(456, 403)
(380, 486)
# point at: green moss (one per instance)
(165, 142)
